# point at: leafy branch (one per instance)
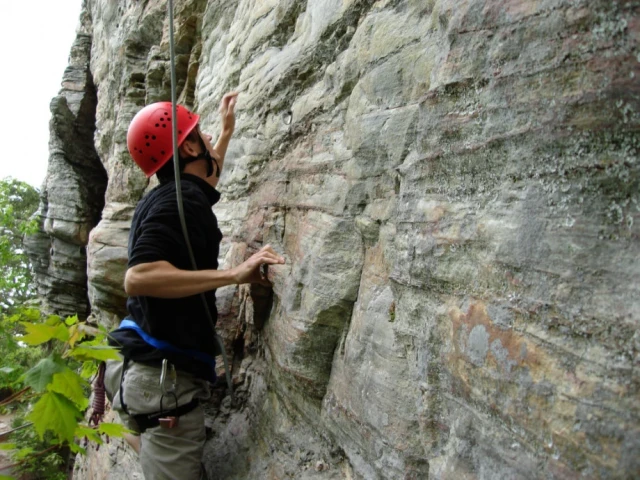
(18, 203)
(12, 398)
(59, 381)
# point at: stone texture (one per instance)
(454, 185)
(72, 196)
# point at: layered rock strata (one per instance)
(455, 187)
(72, 195)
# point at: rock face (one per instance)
(455, 188)
(72, 197)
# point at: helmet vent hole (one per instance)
(162, 152)
(148, 144)
(166, 113)
(169, 119)
(157, 124)
(164, 125)
(147, 137)
(153, 137)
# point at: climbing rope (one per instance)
(176, 166)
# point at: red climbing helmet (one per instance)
(149, 134)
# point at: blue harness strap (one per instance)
(167, 347)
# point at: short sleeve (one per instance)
(159, 236)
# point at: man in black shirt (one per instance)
(168, 331)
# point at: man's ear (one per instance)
(188, 149)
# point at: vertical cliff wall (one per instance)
(72, 195)
(455, 187)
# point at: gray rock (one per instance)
(454, 186)
(72, 196)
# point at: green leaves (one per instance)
(23, 453)
(26, 336)
(39, 333)
(42, 374)
(57, 380)
(93, 434)
(89, 432)
(65, 397)
(71, 385)
(25, 315)
(84, 352)
(18, 203)
(89, 369)
(75, 448)
(56, 413)
(113, 429)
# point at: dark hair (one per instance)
(167, 171)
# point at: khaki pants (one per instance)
(165, 453)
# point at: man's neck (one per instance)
(199, 169)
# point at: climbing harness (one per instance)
(163, 418)
(164, 346)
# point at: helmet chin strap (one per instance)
(209, 158)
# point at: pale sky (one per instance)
(35, 39)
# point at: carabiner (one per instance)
(163, 377)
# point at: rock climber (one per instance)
(167, 335)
